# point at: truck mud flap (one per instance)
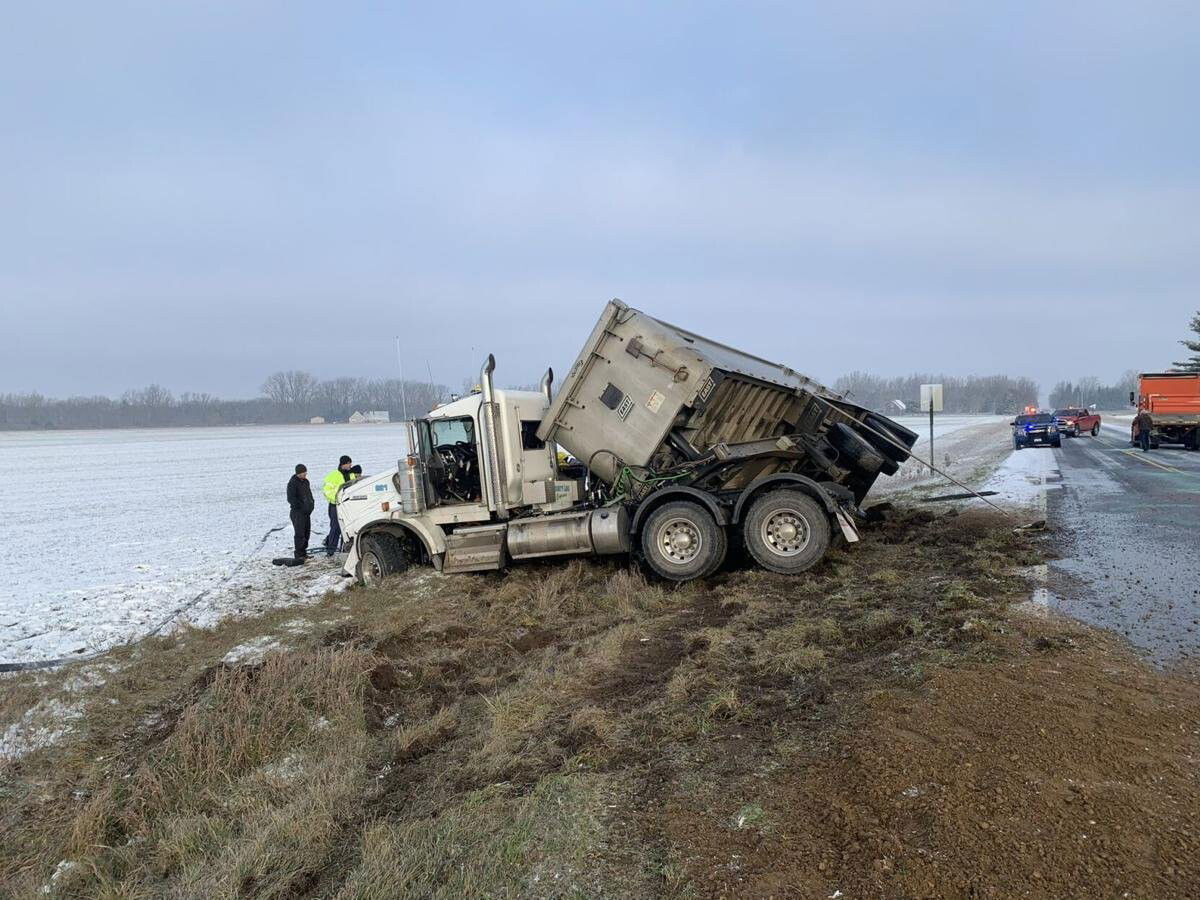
(849, 532)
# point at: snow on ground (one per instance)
(1024, 476)
(252, 651)
(966, 447)
(43, 724)
(115, 529)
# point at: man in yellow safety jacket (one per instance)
(333, 481)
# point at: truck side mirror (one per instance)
(1132, 402)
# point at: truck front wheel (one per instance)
(682, 541)
(786, 532)
(380, 556)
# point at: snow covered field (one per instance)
(111, 530)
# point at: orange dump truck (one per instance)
(1173, 401)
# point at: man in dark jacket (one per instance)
(1143, 424)
(300, 499)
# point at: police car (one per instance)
(1035, 429)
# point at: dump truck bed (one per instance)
(646, 393)
(1171, 394)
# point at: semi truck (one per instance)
(660, 443)
(1173, 401)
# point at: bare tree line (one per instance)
(1091, 391)
(296, 396)
(999, 394)
(287, 397)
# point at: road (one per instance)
(1131, 521)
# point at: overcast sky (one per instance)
(198, 194)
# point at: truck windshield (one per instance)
(453, 431)
(1039, 419)
(1068, 412)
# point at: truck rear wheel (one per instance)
(682, 541)
(786, 532)
(380, 556)
(1096, 429)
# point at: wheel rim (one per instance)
(680, 541)
(785, 532)
(372, 568)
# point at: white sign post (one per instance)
(931, 399)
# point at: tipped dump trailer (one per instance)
(1173, 401)
(680, 444)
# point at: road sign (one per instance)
(931, 402)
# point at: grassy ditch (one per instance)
(512, 735)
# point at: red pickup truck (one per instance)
(1074, 421)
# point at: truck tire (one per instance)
(861, 454)
(1096, 430)
(682, 541)
(1057, 442)
(380, 556)
(786, 532)
(896, 432)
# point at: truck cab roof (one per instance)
(469, 405)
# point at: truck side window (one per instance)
(529, 438)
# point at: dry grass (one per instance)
(475, 735)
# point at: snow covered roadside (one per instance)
(969, 448)
(1024, 477)
(62, 628)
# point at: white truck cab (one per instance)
(473, 464)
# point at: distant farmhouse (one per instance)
(317, 420)
(374, 417)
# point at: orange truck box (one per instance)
(1173, 401)
(1170, 393)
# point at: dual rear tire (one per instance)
(682, 541)
(784, 531)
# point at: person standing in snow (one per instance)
(300, 502)
(1143, 424)
(333, 483)
(355, 473)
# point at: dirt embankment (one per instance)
(883, 727)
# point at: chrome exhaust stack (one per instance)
(547, 382)
(485, 379)
(490, 434)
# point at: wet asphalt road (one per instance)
(1132, 554)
